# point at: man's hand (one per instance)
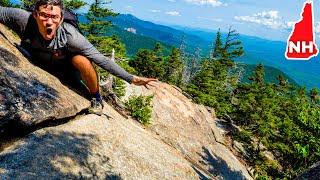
(139, 81)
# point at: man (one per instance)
(59, 47)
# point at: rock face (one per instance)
(94, 147)
(312, 173)
(192, 130)
(29, 95)
(183, 141)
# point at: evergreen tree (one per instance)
(74, 4)
(97, 24)
(283, 85)
(232, 47)
(217, 47)
(148, 64)
(70, 4)
(208, 87)
(158, 49)
(6, 3)
(27, 4)
(213, 84)
(174, 67)
(282, 119)
(314, 94)
(258, 76)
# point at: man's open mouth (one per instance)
(49, 31)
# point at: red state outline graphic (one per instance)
(313, 33)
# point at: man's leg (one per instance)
(88, 73)
(90, 77)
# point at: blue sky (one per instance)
(271, 19)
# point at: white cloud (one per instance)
(273, 20)
(214, 3)
(289, 25)
(268, 18)
(154, 10)
(317, 27)
(172, 0)
(173, 13)
(132, 30)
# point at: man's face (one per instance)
(48, 18)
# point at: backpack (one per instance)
(69, 17)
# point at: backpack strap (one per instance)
(72, 18)
(29, 32)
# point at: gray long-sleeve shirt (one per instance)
(67, 40)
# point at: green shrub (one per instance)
(119, 87)
(140, 108)
(243, 136)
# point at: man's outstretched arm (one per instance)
(14, 18)
(79, 44)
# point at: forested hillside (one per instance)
(280, 121)
(271, 74)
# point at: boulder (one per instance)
(94, 147)
(191, 129)
(312, 173)
(28, 94)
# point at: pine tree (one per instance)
(282, 81)
(258, 76)
(158, 49)
(232, 47)
(214, 84)
(74, 4)
(70, 4)
(97, 23)
(314, 94)
(217, 47)
(27, 4)
(208, 87)
(6, 3)
(174, 67)
(148, 64)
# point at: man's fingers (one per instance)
(145, 85)
(153, 85)
(152, 82)
(149, 85)
(152, 79)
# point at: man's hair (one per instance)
(49, 2)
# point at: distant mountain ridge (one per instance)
(158, 32)
(271, 74)
(257, 50)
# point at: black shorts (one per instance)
(66, 73)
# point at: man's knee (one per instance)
(81, 62)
